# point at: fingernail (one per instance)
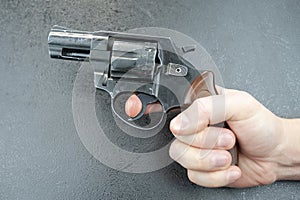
(233, 175)
(221, 160)
(180, 122)
(225, 140)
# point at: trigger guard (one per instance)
(146, 100)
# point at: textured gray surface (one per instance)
(254, 43)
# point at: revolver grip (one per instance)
(203, 86)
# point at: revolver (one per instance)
(152, 67)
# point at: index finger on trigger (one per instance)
(134, 106)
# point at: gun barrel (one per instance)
(71, 44)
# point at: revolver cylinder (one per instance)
(118, 55)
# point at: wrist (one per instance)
(289, 151)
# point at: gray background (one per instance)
(255, 44)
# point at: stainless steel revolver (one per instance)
(151, 67)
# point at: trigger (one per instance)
(145, 99)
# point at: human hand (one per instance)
(202, 149)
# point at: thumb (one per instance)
(232, 106)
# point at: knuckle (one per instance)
(201, 139)
(202, 164)
(246, 97)
(246, 102)
(214, 181)
(172, 150)
(192, 176)
(201, 105)
(271, 179)
(175, 131)
(210, 180)
(206, 162)
(244, 94)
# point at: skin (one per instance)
(269, 146)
